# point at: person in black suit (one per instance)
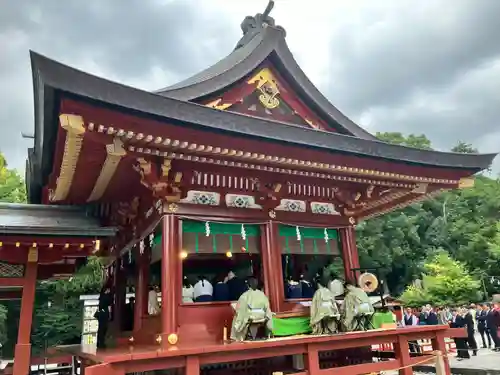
(471, 340)
(432, 318)
(492, 324)
(128, 315)
(458, 321)
(481, 314)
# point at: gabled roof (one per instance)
(266, 43)
(49, 220)
(52, 79)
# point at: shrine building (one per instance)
(245, 167)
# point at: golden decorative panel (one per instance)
(266, 84)
(115, 153)
(74, 126)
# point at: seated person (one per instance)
(336, 286)
(252, 311)
(306, 287)
(324, 311)
(203, 290)
(293, 288)
(357, 309)
(187, 291)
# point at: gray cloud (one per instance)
(395, 65)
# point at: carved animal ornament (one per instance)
(160, 179)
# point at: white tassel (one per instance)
(129, 257)
(243, 232)
(326, 236)
(299, 237)
(207, 229)
(141, 246)
(151, 239)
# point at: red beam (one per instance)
(11, 282)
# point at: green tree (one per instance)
(417, 141)
(61, 323)
(445, 282)
(12, 188)
(462, 222)
(464, 148)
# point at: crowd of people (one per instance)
(483, 318)
(228, 287)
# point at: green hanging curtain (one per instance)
(223, 238)
(312, 240)
(191, 226)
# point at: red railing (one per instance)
(190, 359)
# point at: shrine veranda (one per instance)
(245, 161)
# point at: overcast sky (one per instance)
(414, 66)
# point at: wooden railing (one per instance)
(190, 359)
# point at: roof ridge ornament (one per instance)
(252, 25)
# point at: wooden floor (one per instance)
(120, 354)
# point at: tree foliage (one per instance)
(60, 322)
(445, 282)
(464, 223)
(12, 188)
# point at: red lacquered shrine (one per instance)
(244, 166)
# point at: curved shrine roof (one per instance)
(33, 219)
(268, 43)
(52, 78)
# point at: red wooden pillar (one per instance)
(22, 355)
(141, 290)
(349, 250)
(170, 288)
(273, 268)
(402, 354)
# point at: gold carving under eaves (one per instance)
(115, 153)
(74, 126)
(354, 203)
(218, 104)
(160, 179)
(266, 84)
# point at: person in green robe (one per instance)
(252, 309)
(357, 310)
(324, 311)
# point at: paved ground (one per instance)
(486, 362)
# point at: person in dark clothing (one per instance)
(432, 318)
(409, 319)
(128, 315)
(492, 323)
(422, 318)
(307, 287)
(221, 289)
(481, 325)
(236, 286)
(457, 321)
(293, 288)
(103, 316)
(471, 340)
